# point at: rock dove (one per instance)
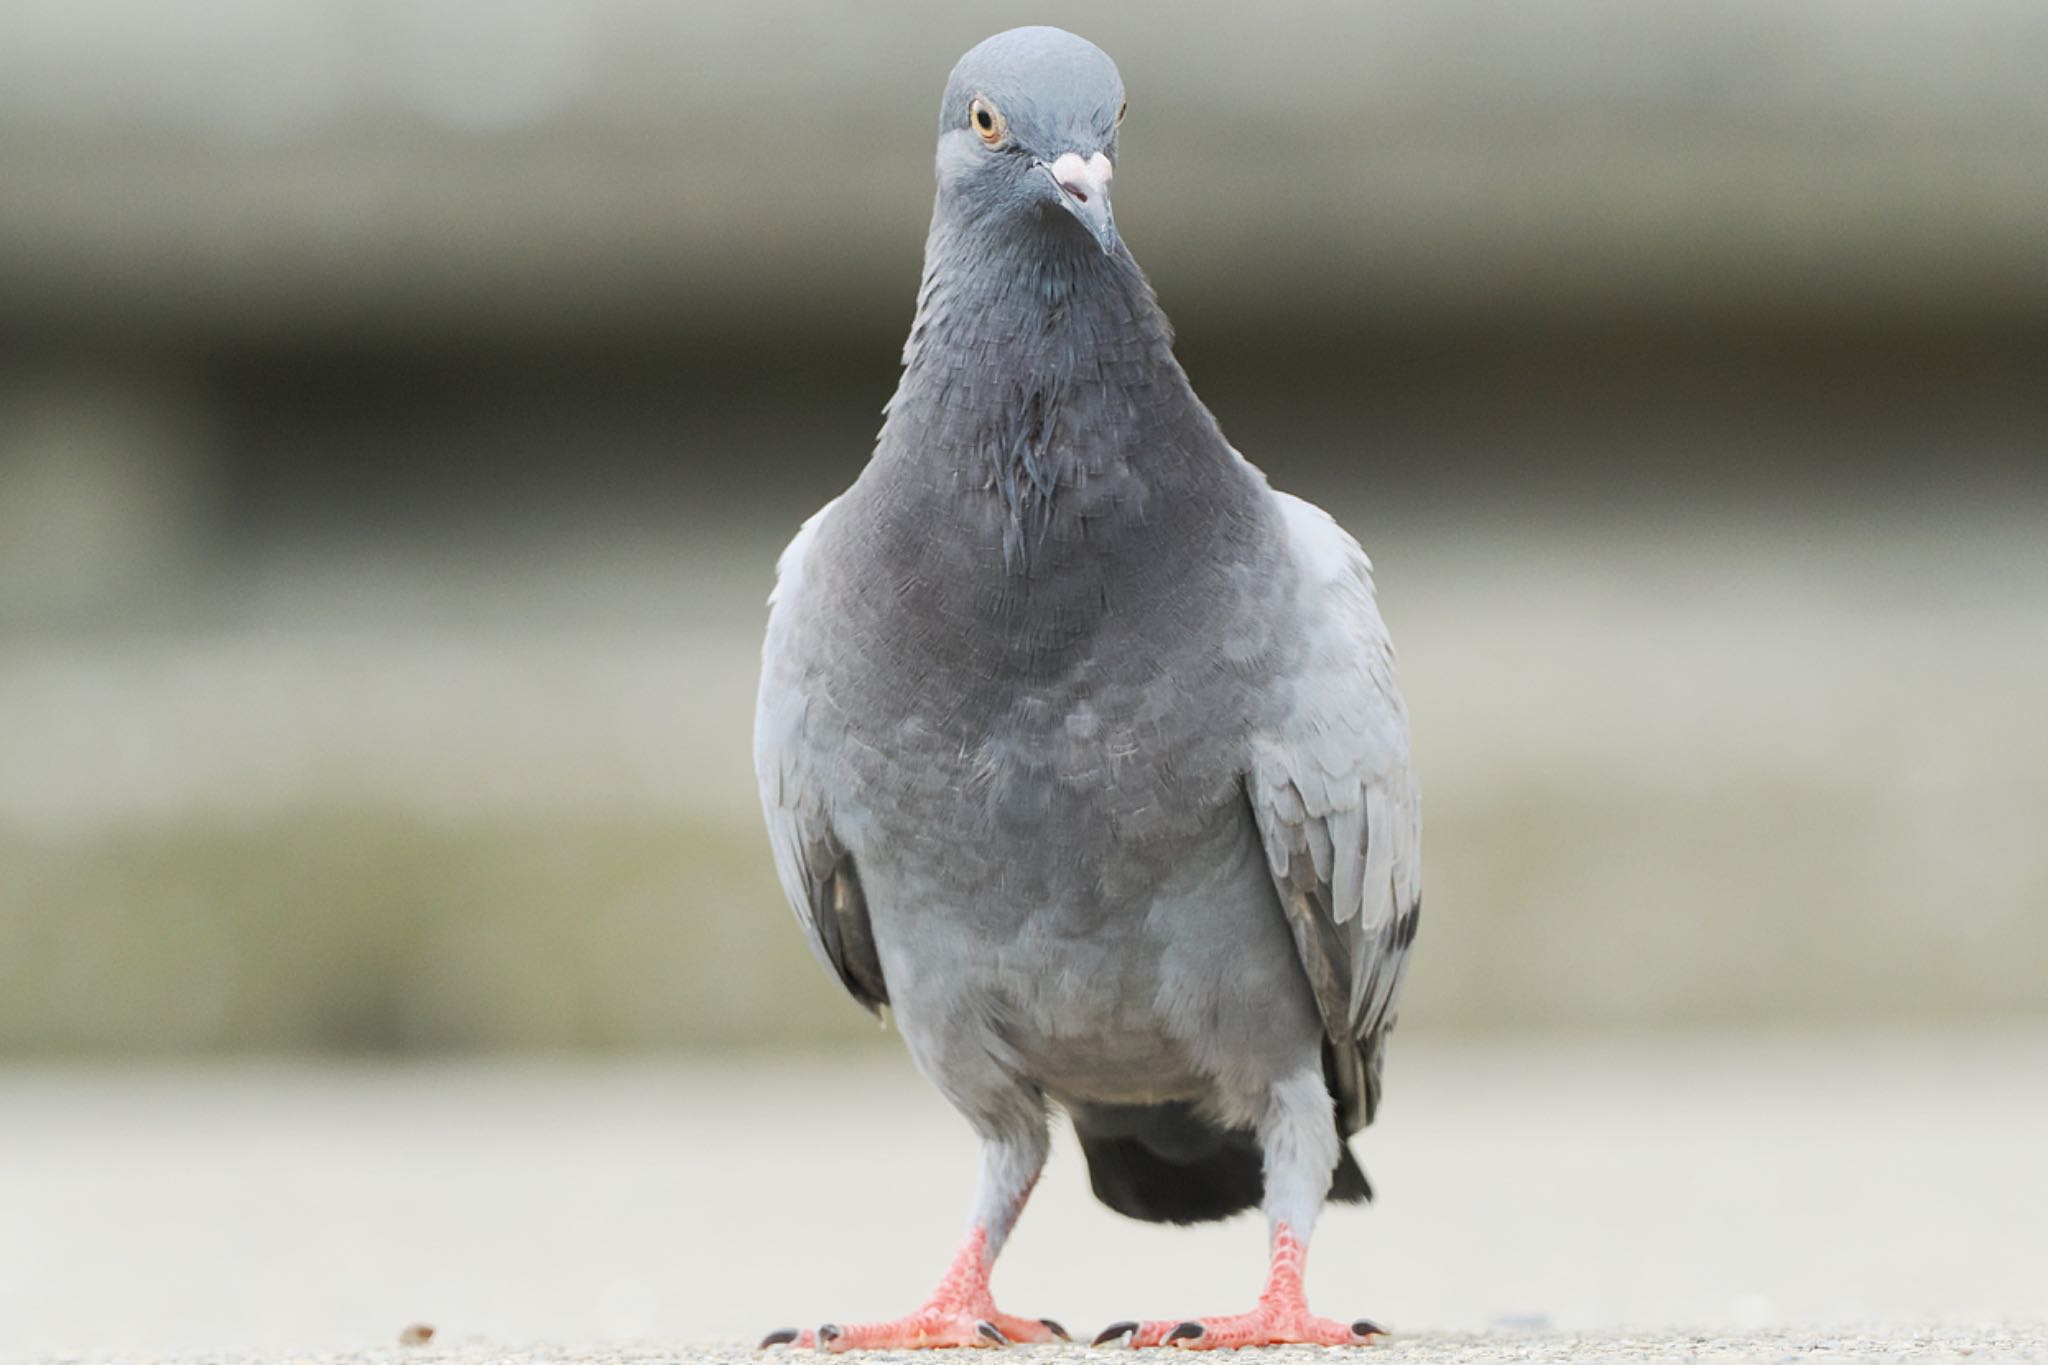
(1080, 746)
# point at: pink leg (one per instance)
(1282, 1317)
(960, 1312)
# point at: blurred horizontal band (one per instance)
(312, 166)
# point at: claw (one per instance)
(1366, 1327)
(1187, 1331)
(1055, 1329)
(992, 1332)
(827, 1334)
(1113, 1331)
(781, 1336)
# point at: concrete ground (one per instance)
(1857, 1197)
(1977, 1345)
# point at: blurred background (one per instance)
(402, 403)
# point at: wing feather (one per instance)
(1339, 809)
(817, 874)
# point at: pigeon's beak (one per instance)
(1084, 189)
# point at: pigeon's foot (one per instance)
(932, 1325)
(1260, 1327)
(1281, 1319)
(961, 1313)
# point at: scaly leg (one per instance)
(1300, 1141)
(961, 1311)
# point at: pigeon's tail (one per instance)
(1164, 1163)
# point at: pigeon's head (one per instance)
(1027, 132)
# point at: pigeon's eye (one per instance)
(1121, 110)
(988, 122)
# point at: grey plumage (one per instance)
(1080, 747)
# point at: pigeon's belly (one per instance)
(1183, 987)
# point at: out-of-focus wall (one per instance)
(401, 405)
(471, 165)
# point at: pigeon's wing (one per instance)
(1333, 789)
(817, 873)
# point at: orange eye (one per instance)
(988, 122)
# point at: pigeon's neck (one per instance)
(1035, 295)
(1044, 302)
(1039, 362)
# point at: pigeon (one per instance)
(1080, 746)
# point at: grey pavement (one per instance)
(1775, 1347)
(1876, 1196)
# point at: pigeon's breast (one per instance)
(1061, 737)
(1073, 796)
(1038, 774)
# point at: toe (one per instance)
(1113, 1332)
(781, 1336)
(1023, 1331)
(1157, 1333)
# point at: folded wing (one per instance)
(818, 875)
(1333, 790)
